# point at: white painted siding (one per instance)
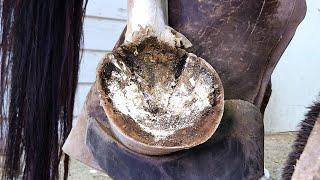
(116, 9)
(101, 34)
(295, 80)
(103, 25)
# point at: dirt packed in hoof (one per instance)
(160, 95)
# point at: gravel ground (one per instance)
(276, 150)
(277, 147)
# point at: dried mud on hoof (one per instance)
(159, 98)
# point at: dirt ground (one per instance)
(276, 150)
(277, 147)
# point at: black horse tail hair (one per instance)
(306, 127)
(40, 57)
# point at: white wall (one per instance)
(296, 79)
(103, 25)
